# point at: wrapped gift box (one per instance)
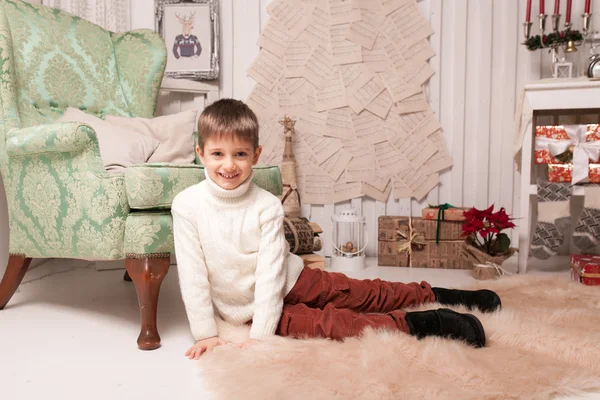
(564, 173)
(585, 269)
(450, 214)
(393, 230)
(557, 132)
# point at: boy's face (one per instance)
(228, 160)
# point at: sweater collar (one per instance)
(237, 196)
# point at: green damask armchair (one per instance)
(62, 202)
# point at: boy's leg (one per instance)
(300, 321)
(317, 288)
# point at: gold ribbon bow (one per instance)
(413, 238)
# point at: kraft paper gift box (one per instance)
(394, 233)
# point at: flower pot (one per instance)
(470, 255)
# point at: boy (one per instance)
(233, 259)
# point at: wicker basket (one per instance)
(469, 255)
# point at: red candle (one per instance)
(528, 13)
(542, 5)
(556, 7)
(587, 6)
(568, 16)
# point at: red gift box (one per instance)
(585, 269)
(557, 132)
(564, 173)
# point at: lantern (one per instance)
(349, 238)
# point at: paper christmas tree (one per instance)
(351, 74)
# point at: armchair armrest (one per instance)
(57, 137)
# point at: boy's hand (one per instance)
(202, 346)
(248, 343)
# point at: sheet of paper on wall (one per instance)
(421, 123)
(322, 147)
(343, 51)
(333, 95)
(359, 148)
(298, 87)
(312, 121)
(428, 125)
(412, 104)
(416, 150)
(318, 27)
(366, 4)
(420, 52)
(389, 6)
(400, 190)
(275, 38)
(364, 31)
(361, 169)
(374, 193)
(318, 189)
(440, 160)
(292, 106)
(341, 12)
(389, 160)
(355, 76)
(369, 128)
(399, 89)
(381, 105)
(347, 191)
(395, 53)
(411, 24)
(335, 165)
(377, 59)
(318, 68)
(417, 74)
(264, 101)
(295, 18)
(419, 183)
(269, 136)
(358, 99)
(380, 183)
(296, 57)
(266, 69)
(340, 124)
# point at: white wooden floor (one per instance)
(69, 333)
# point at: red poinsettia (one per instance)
(488, 226)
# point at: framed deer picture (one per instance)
(190, 29)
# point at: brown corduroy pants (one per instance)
(332, 305)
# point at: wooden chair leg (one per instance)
(15, 271)
(147, 275)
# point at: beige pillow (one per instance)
(119, 148)
(175, 132)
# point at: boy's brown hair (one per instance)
(228, 117)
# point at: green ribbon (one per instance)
(441, 217)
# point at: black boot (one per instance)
(485, 300)
(446, 323)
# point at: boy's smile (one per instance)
(228, 160)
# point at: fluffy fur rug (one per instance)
(544, 343)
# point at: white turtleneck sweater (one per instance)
(232, 257)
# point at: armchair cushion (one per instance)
(119, 148)
(153, 186)
(174, 132)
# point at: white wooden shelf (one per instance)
(547, 94)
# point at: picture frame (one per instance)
(190, 29)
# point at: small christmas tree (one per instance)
(290, 198)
